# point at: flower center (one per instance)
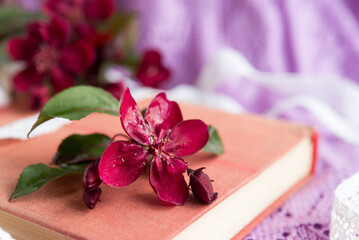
(157, 149)
(45, 59)
(152, 71)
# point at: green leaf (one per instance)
(35, 176)
(81, 148)
(76, 103)
(214, 144)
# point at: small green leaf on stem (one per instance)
(76, 103)
(81, 148)
(214, 144)
(35, 176)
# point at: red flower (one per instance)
(162, 136)
(80, 11)
(82, 14)
(48, 55)
(151, 71)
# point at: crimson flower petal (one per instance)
(39, 95)
(90, 178)
(153, 76)
(60, 79)
(53, 7)
(91, 198)
(132, 120)
(78, 57)
(38, 31)
(27, 78)
(22, 49)
(85, 31)
(98, 9)
(176, 165)
(59, 30)
(151, 57)
(187, 138)
(170, 187)
(162, 115)
(122, 163)
(116, 89)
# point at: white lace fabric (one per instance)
(345, 212)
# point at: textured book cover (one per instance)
(252, 145)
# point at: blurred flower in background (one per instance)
(70, 42)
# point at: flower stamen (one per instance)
(45, 59)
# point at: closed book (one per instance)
(264, 161)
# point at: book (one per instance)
(264, 161)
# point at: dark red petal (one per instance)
(151, 57)
(53, 7)
(176, 165)
(98, 9)
(92, 197)
(187, 138)
(162, 115)
(132, 120)
(164, 74)
(38, 31)
(170, 187)
(116, 89)
(78, 56)
(39, 95)
(59, 32)
(27, 78)
(152, 75)
(122, 163)
(90, 178)
(60, 79)
(86, 32)
(22, 49)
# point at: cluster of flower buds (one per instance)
(74, 45)
(91, 182)
(201, 186)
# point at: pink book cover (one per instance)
(251, 143)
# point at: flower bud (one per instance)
(201, 186)
(91, 179)
(92, 197)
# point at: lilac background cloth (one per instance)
(306, 36)
(293, 36)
